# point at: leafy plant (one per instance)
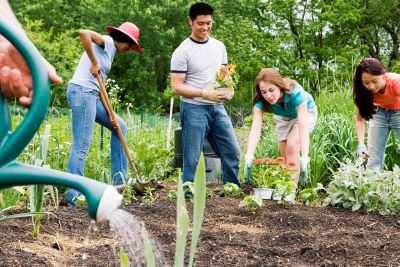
(123, 257)
(310, 195)
(227, 76)
(232, 190)
(357, 187)
(149, 197)
(283, 189)
(251, 203)
(267, 171)
(182, 217)
(172, 194)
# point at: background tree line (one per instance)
(317, 42)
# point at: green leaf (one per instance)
(199, 205)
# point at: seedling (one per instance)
(232, 190)
(172, 194)
(149, 197)
(251, 203)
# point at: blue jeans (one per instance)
(211, 121)
(86, 109)
(378, 132)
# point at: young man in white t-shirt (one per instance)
(194, 65)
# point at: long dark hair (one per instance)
(270, 75)
(362, 97)
(121, 37)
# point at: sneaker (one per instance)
(188, 195)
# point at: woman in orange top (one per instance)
(377, 98)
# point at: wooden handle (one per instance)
(107, 105)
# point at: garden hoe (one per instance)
(139, 185)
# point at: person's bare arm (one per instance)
(178, 87)
(88, 37)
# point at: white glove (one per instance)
(362, 151)
(247, 168)
(304, 161)
(248, 159)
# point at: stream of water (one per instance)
(129, 232)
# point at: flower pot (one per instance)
(264, 193)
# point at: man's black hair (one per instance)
(200, 8)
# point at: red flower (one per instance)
(270, 161)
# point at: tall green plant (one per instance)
(37, 191)
(182, 217)
(198, 215)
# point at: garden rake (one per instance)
(139, 186)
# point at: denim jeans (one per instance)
(378, 132)
(211, 121)
(86, 109)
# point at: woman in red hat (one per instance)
(87, 108)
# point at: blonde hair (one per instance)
(270, 75)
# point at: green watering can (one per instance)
(102, 198)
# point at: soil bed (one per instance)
(277, 235)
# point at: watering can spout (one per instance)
(102, 199)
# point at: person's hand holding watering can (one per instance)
(15, 76)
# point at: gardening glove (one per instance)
(228, 91)
(362, 151)
(247, 167)
(304, 162)
(210, 93)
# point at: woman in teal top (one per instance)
(295, 113)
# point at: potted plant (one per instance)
(283, 191)
(265, 174)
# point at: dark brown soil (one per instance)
(277, 235)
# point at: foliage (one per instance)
(232, 190)
(182, 216)
(123, 257)
(314, 42)
(150, 261)
(356, 187)
(283, 189)
(113, 91)
(251, 203)
(267, 171)
(227, 77)
(190, 190)
(309, 196)
(172, 195)
(149, 197)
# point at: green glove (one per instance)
(247, 168)
(304, 162)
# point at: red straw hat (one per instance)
(130, 30)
